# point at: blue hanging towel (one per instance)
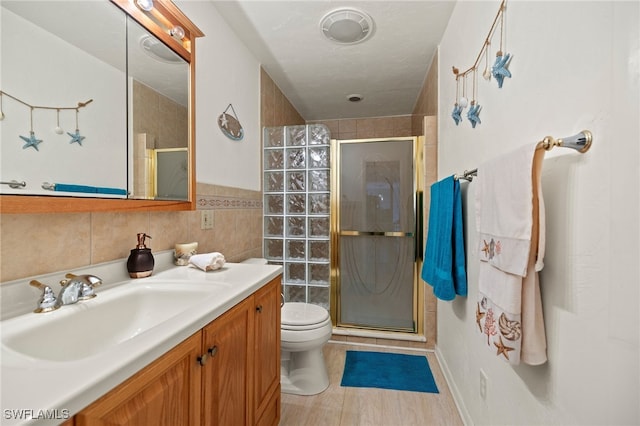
(444, 263)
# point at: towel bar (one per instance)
(581, 142)
(14, 184)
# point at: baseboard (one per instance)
(455, 392)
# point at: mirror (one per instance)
(159, 105)
(89, 106)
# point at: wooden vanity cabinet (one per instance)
(225, 382)
(165, 393)
(266, 355)
(228, 373)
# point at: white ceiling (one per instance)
(316, 75)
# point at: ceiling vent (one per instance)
(158, 50)
(347, 26)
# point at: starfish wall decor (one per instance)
(499, 71)
(32, 141)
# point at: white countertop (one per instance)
(36, 385)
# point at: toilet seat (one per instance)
(303, 316)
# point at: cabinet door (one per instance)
(266, 346)
(166, 392)
(226, 379)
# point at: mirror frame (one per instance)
(158, 21)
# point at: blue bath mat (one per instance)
(388, 371)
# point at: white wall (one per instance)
(226, 72)
(575, 66)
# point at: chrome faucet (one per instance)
(77, 287)
(74, 288)
(48, 301)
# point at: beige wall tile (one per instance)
(348, 136)
(402, 126)
(168, 228)
(34, 244)
(113, 235)
(365, 128)
(346, 126)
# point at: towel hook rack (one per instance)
(581, 142)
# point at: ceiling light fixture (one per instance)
(354, 98)
(347, 26)
(177, 31)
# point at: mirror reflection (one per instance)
(160, 115)
(57, 55)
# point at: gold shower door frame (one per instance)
(418, 189)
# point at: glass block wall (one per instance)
(297, 209)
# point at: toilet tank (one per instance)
(255, 261)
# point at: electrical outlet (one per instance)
(483, 385)
(206, 219)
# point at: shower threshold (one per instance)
(376, 334)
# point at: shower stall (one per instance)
(377, 234)
(341, 217)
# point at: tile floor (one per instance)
(343, 406)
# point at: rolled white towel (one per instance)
(207, 261)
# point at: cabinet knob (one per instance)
(259, 308)
(213, 351)
(202, 359)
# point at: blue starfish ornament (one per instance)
(31, 141)
(76, 137)
(472, 115)
(455, 114)
(499, 69)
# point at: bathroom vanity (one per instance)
(227, 373)
(204, 350)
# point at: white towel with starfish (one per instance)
(510, 222)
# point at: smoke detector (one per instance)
(347, 26)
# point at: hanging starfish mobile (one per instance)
(76, 137)
(499, 69)
(31, 141)
(455, 114)
(472, 115)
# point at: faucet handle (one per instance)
(88, 283)
(92, 280)
(47, 302)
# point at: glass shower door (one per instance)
(376, 227)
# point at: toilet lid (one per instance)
(298, 314)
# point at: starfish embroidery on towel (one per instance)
(479, 316)
(31, 141)
(485, 248)
(499, 69)
(502, 349)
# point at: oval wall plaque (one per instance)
(230, 125)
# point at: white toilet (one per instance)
(305, 328)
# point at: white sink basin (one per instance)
(116, 315)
